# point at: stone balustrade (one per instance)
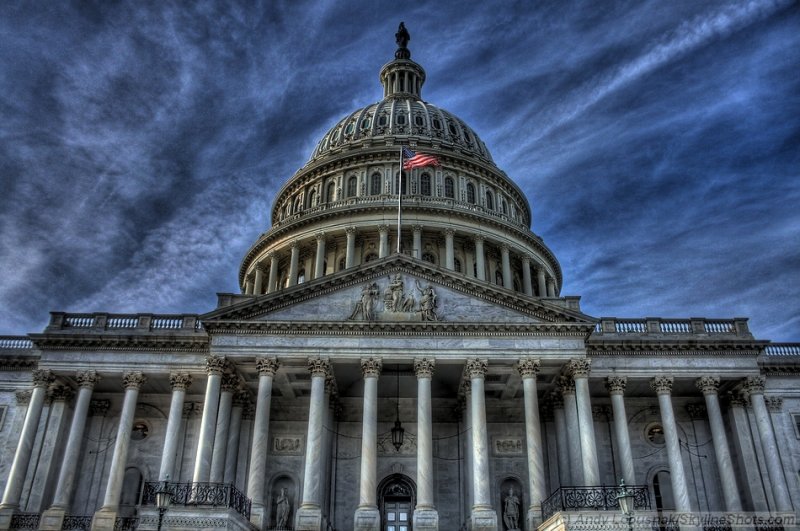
(782, 349)
(142, 322)
(657, 326)
(15, 342)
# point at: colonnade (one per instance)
(572, 410)
(264, 277)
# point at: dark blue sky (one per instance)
(141, 143)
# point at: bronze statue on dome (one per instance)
(402, 37)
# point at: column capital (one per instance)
(42, 377)
(99, 408)
(526, 259)
(696, 411)
(754, 385)
(320, 236)
(318, 367)
(383, 228)
(267, 366)
(295, 244)
(504, 248)
(371, 367)
(61, 393)
(774, 403)
(180, 381)
(216, 365)
(579, 367)
(230, 383)
(737, 400)
(450, 232)
(662, 385)
(478, 238)
(87, 379)
(350, 231)
(616, 384)
(133, 380)
(272, 255)
(23, 397)
(465, 388)
(476, 367)
(567, 385)
(709, 385)
(260, 267)
(423, 367)
(416, 228)
(331, 387)
(528, 367)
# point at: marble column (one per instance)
(709, 385)
(551, 287)
(616, 388)
(319, 262)
(367, 516)
(528, 369)
(180, 382)
(662, 385)
(215, 366)
(248, 286)
(467, 391)
(484, 516)
(449, 252)
(309, 516)
(350, 256)
(266, 367)
(53, 518)
(567, 387)
(579, 368)
(294, 263)
(272, 284)
(232, 453)
(230, 384)
(564, 476)
(754, 387)
(508, 281)
(259, 280)
(383, 243)
(527, 285)
(480, 258)
(425, 514)
(745, 450)
(19, 467)
(540, 278)
(106, 516)
(417, 243)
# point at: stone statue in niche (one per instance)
(283, 508)
(511, 510)
(366, 303)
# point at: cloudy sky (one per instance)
(141, 143)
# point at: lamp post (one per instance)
(163, 499)
(626, 503)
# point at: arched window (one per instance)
(425, 184)
(352, 186)
(505, 207)
(470, 193)
(370, 257)
(489, 200)
(457, 265)
(342, 263)
(449, 187)
(312, 198)
(301, 276)
(428, 257)
(375, 184)
(330, 192)
(403, 182)
(498, 278)
(296, 208)
(517, 287)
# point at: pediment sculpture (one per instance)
(398, 302)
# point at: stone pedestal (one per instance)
(426, 519)
(5, 517)
(258, 515)
(533, 518)
(367, 519)
(308, 519)
(104, 520)
(52, 519)
(483, 520)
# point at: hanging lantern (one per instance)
(398, 431)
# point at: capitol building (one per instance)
(400, 357)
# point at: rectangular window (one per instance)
(796, 419)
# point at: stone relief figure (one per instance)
(283, 509)
(366, 303)
(427, 304)
(511, 510)
(394, 298)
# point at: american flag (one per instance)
(418, 160)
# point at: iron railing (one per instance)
(24, 521)
(126, 523)
(77, 522)
(592, 499)
(213, 494)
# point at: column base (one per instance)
(104, 520)
(367, 519)
(308, 519)
(6, 513)
(258, 515)
(52, 519)
(426, 519)
(483, 519)
(534, 518)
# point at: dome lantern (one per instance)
(402, 77)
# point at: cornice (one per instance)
(18, 363)
(104, 341)
(672, 348)
(779, 365)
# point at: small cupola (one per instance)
(402, 77)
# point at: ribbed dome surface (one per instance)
(407, 117)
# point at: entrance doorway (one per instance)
(397, 495)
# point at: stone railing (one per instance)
(24, 521)
(104, 321)
(602, 498)
(782, 349)
(194, 494)
(697, 326)
(15, 342)
(77, 522)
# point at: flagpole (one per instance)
(399, 197)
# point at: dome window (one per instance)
(505, 207)
(349, 129)
(418, 120)
(489, 200)
(301, 276)
(403, 182)
(449, 188)
(352, 186)
(457, 265)
(453, 130)
(437, 124)
(425, 184)
(312, 198)
(401, 119)
(365, 123)
(375, 184)
(470, 193)
(330, 192)
(382, 120)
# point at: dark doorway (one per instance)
(397, 499)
